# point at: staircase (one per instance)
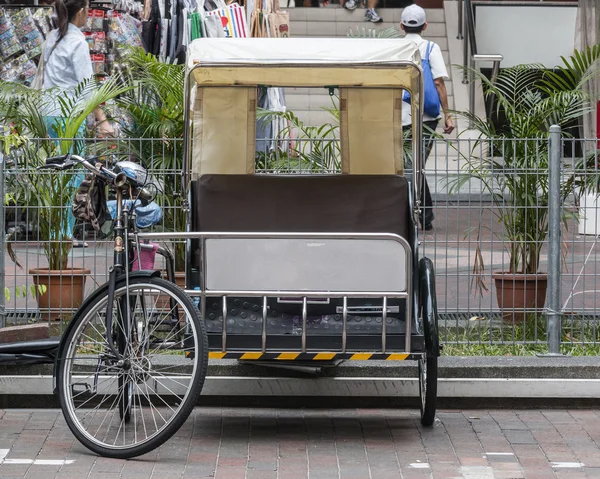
(333, 21)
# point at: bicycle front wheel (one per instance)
(127, 407)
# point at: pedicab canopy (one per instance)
(368, 74)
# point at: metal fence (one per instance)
(489, 198)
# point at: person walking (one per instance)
(414, 23)
(370, 13)
(67, 64)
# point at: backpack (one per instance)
(432, 98)
(89, 202)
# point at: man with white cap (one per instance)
(414, 23)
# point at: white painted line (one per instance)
(571, 465)
(499, 454)
(37, 462)
(419, 465)
(477, 472)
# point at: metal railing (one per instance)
(471, 55)
(467, 244)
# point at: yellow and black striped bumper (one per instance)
(258, 356)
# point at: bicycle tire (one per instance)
(99, 367)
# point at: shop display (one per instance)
(108, 33)
(22, 33)
(232, 20)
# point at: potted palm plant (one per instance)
(49, 193)
(575, 71)
(513, 170)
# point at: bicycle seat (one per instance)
(147, 216)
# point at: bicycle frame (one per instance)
(125, 237)
(119, 267)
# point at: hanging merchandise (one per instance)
(276, 103)
(213, 26)
(151, 29)
(258, 21)
(124, 30)
(131, 7)
(279, 22)
(231, 19)
(22, 34)
(98, 63)
(196, 25)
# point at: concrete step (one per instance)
(310, 108)
(336, 13)
(334, 21)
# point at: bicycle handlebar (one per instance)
(64, 162)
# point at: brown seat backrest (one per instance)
(302, 204)
(315, 203)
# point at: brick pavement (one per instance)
(228, 443)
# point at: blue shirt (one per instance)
(68, 64)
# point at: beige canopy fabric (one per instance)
(370, 75)
(303, 51)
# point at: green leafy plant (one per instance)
(362, 32)
(49, 191)
(21, 291)
(155, 105)
(575, 70)
(513, 168)
(312, 148)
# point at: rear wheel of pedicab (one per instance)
(428, 365)
(129, 407)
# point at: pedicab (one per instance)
(284, 268)
(309, 267)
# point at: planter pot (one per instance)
(519, 292)
(64, 291)
(589, 215)
(163, 301)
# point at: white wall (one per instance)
(526, 34)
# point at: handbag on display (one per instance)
(279, 22)
(232, 19)
(38, 80)
(258, 24)
(213, 26)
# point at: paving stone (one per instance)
(224, 443)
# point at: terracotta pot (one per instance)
(64, 291)
(163, 301)
(519, 292)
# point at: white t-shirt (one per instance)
(66, 65)
(438, 70)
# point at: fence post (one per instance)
(2, 235)
(553, 307)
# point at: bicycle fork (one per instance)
(119, 265)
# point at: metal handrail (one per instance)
(467, 18)
(460, 19)
(495, 59)
(470, 42)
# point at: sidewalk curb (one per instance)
(476, 382)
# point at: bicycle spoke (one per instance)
(133, 397)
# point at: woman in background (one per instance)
(67, 64)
